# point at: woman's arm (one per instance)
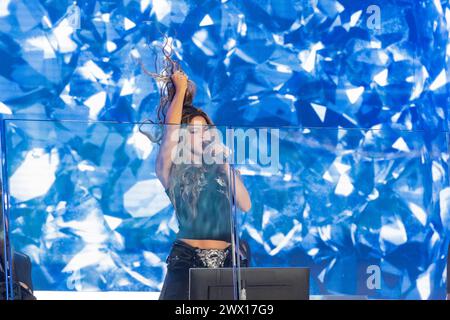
(171, 129)
(243, 200)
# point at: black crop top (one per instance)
(213, 217)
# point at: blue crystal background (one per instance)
(377, 96)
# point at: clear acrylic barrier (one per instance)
(3, 275)
(88, 209)
(5, 253)
(367, 211)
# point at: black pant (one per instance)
(181, 258)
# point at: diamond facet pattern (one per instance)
(346, 201)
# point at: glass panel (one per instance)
(445, 212)
(6, 289)
(365, 210)
(91, 213)
(3, 276)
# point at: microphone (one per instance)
(218, 149)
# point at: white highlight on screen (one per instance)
(206, 21)
(35, 176)
(4, 8)
(440, 81)
(95, 103)
(354, 94)
(146, 198)
(4, 108)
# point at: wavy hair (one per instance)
(186, 179)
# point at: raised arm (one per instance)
(171, 130)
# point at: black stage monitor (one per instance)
(259, 283)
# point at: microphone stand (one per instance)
(239, 292)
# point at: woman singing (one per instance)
(199, 193)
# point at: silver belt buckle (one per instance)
(212, 258)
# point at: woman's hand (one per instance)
(180, 80)
(221, 151)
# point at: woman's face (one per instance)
(198, 132)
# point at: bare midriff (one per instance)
(207, 244)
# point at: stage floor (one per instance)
(120, 295)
